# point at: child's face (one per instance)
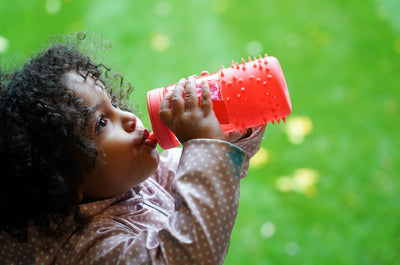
(119, 136)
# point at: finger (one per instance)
(205, 102)
(177, 101)
(165, 111)
(191, 101)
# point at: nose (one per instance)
(129, 121)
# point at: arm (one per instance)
(208, 183)
(207, 179)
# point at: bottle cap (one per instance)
(165, 137)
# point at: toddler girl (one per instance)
(83, 183)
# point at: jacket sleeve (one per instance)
(208, 184)
(198, 232)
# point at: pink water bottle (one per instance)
(245, 95)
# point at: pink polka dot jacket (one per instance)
(183, 214)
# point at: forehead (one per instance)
(87, 87)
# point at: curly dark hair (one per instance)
(44, 143)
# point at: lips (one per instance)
(149, 138)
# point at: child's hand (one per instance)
(183, 115)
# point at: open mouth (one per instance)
(149, 138)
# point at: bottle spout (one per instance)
(152, 136)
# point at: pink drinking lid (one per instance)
(165, 137)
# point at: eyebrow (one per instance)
(101, 103)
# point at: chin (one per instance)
(156, 157)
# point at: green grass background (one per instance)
(341, 60)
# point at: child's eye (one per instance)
(101, 124)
